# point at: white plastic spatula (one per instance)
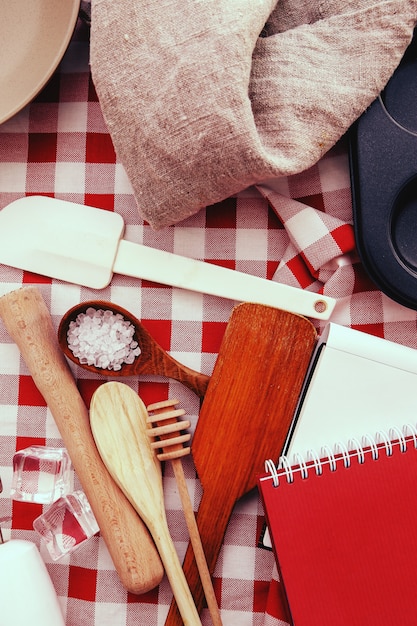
(83, 245)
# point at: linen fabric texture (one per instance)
(204, 98)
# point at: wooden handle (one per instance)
(212, 548)
(170, 367)
(197, 544)
(29, 323)
(174, 450)
(189, 615)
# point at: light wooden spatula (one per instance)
(118, 420)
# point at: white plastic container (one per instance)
(27, 595)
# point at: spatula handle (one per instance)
(29, 323)
(212, 533)
(178, 271)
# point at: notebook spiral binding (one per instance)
(369, 447)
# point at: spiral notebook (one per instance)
(356, 384)
(344, 532)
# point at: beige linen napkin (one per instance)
(204, 98)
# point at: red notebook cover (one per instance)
(345, 541)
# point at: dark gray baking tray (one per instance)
(383, 166)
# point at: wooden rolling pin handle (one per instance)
(29, 324)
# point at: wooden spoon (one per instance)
(119, 422)
(153, 359)
(244, 418)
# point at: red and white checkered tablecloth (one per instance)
(295, 230)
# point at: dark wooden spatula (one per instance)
(244, 419)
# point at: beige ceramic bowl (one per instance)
(34, 35)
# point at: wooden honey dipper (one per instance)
(167, 436)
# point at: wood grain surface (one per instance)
(244, 418)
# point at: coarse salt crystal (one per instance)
(103, 339)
